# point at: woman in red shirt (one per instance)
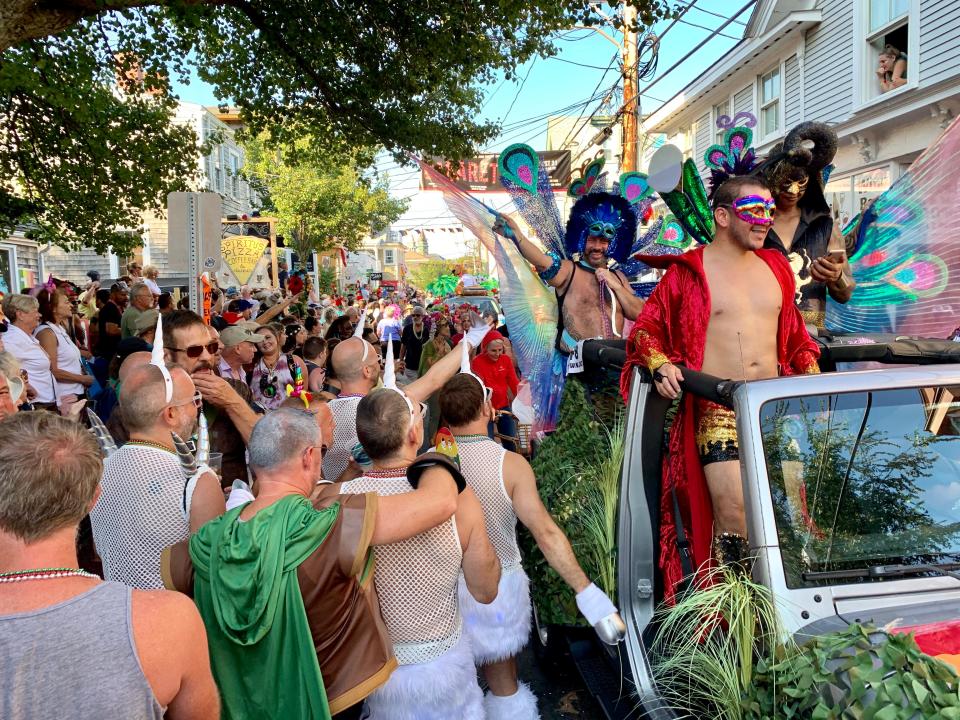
(496, 370)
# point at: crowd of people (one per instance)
(256, 523)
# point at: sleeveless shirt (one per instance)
(278, 378)
(416, 580)
(75, 659)
(344, 410)
(68, 358)
(139, 513)
(481, 461)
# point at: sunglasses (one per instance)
(195, 351)
(268, 386)
(197, 401)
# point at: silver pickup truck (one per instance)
(851, 484)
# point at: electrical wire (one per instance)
(520, 89)
(709, 12)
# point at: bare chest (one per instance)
(743, 295)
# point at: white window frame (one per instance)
(389, 256)
(14, 268)
(866, 94)
(714, 115)
(760, 105)
(234, 158)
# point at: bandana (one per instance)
(754, 209)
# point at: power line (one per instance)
(710, 12)
(520, 89)
(705, 27)
(602, 77)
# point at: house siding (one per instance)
(940, 22)
(743, 100)
(793, 92)
(74, 265)
(701, 141)
(828, 64)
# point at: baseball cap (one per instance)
(236, 334)
(147, 320)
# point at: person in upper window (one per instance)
(892, 68)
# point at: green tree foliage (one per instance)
(405, 76)
(78, 159)
(425, 273)
(319, 203)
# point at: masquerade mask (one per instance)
(795, 187)
(607, 231)
(754, 209)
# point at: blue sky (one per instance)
(554, 83)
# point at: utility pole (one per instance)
(628, 161)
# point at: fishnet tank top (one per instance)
(417, 582)
(344, 436)
(481, 461)
(139, 513)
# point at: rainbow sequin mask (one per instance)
(755, 209)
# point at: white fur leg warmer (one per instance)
(522, 705)
(443, 689)
(501, 629)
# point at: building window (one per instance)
(889, 49)
(719, 111)
(8, 270)
(235, 175)
(388, 257)
(770, 102)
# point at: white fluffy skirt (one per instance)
(443, 689)
(501, 629)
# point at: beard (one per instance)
(202, 366)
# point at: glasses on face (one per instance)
(195, 351)
(197, 401)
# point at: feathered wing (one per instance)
(529, 306)
(527, 181)
(906, 252)
(690, 205)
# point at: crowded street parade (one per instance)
(460, 361)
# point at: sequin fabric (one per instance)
(716, 432)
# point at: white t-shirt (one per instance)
(68, 358)
(154, 288)
(34, 359)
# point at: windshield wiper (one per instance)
(882, 571)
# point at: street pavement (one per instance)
(558, 687)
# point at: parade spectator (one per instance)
(341, 328)
(64, 355)
(227, 404)
(892, 69)
(108, 327)
(272, 368)
(335, 644)
(416, 580)
(11, 388)
(145, 504)
(165, 303)
(65, 628)
(315, 358)
(150, 275)
(109, 402)
(294, 335)
(135, 271)
(435, 349)
(23, 318)
(507, 489)
(496, 370)
(312, 326)
(239, 349)
(412, 340)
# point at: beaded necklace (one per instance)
(476, 437)
(387, 472)
(147, 443)
(43, 574)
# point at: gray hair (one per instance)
(138, 287)
(15, 304)
(280, 436)
(9, 365)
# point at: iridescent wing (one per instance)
(906, 252)
(530, 306)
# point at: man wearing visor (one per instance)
(726, 309)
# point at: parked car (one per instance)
(851, 485)
(484, 302)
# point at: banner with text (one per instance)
(481, 174)
(242, 253)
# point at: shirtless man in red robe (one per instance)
(726, 309)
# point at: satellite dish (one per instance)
(663, 174)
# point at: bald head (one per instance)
(348, 362)
(132, 362)
(143, 396)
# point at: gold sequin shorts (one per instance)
(716, 432)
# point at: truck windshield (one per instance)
(863, 479)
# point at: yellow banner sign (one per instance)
(241, 253)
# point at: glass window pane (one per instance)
(771, 118)
(770, 86)
(879, 13)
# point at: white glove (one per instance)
(476, 334)
(594, 604)
(239, 495)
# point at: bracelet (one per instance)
(551, 272)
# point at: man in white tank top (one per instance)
(507, 489)
(417, 579)
(73, 645)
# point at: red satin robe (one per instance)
(673, 328)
